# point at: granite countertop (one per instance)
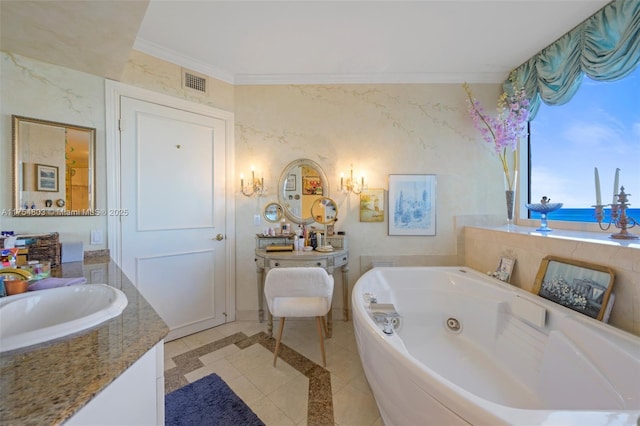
(49, 382)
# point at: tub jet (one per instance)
(453, 325)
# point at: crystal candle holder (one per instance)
(544, 209)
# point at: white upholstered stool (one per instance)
(299, 292)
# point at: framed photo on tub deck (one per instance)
(412, 205)
(505, 269)
(581, 286)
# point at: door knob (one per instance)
(219, 237)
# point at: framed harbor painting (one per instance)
(412, 205)
(581, 286)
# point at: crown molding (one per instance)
(174, 57)
(374, 78)
(276, 79)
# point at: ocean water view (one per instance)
(583, 215)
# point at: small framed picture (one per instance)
(581, 286)
(505, 269)
(46, 178)
(311, 185)
(290, 185)
(372, 205)
(330, 229)
(412, 204)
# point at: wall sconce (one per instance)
(350, 184)
(256, 186)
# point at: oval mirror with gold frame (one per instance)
(53, 168)
(273, 212)
(301, 183)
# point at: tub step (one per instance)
(529, 311)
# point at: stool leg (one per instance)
(319, 322)
(280, 329)
(326, 330)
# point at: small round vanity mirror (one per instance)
(302, 183)
(273, 212)
(324, 211)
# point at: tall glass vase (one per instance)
(510, 186)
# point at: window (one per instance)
(599, 127)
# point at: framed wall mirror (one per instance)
(53, 168)
(273, 212)
(301, 183)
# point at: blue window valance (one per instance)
(605, 47)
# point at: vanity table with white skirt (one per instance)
(329, 260)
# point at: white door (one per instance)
(173, 235)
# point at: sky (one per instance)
(599, 127)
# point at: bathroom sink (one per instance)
(38, 316)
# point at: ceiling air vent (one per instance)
(194, 81)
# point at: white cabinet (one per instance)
(136, 397)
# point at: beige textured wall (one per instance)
(154, 74)
(38, 90)
(381, 130)
(35, 89)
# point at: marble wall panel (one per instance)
(485, 246)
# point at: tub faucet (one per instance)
(386, 314)
(370, 298)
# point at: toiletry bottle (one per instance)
(313, 240)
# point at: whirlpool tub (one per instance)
(470, 349)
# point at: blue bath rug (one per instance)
(208, 401)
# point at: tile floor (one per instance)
(298, 391)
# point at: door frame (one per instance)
(113, 91)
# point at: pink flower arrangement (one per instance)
(505, 129)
